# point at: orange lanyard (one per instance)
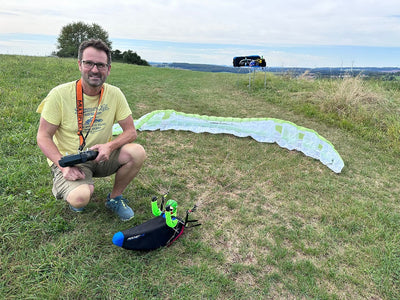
(80, 113)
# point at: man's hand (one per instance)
(104, 152)
(128, 135)
(72, 173)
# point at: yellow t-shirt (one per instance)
(59, 108)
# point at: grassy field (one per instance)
(275, 223)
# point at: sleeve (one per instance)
(123, 110)
(50, 108)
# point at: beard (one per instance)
(94, 79)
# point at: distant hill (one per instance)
(318, 72)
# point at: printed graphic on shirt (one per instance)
(99, 122)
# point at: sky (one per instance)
(287, 33)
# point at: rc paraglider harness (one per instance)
(158, 232)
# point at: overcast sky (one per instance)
(293, 33)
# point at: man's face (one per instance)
(94, 75)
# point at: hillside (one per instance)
(276, 224)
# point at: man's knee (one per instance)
(132, 153)
(80, 196)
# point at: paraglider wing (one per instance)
(267, 130)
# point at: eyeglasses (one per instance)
(89, 65)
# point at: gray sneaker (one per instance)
(75, 209)
(119, 206)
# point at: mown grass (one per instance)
(275, 223)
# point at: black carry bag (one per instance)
(153, 234)
(249, 61)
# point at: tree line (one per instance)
(128, 57)
(72, 35)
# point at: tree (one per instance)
(72, 35)
(117, 55)
(131, 57)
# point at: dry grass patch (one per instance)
(351, 97)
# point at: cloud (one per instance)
(286, 22)
(7, 13)
(216, 30)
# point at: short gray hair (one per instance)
(97, 44)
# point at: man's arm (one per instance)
(128, 135)
(45, 142)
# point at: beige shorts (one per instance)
(62, 187)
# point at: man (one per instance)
(102, 106)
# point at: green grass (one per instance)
(275, 223)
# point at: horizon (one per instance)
(222, 54)
(288, 33)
